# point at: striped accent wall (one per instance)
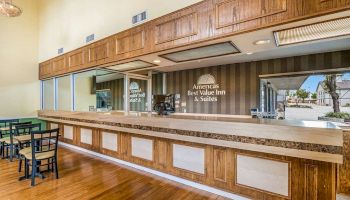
(117, 92)
(241, 81)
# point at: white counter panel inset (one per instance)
(68, 132)
(86, 136)
(263, 174)
(188, 158)
(142, 148)
(110, 141)
(53, 126)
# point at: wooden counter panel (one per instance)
(307, 178)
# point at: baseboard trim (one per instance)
(158, 173)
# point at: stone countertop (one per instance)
(315, 140)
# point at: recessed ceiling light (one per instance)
(260, 42)
(249, 53)
(157, 61)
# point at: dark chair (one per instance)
(22, 135)
(9, 143)
(44, 146)
(5, 126)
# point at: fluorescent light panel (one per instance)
(137, 64)
(317, 31)
(212, 50)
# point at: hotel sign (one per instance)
(206, 89)
(136, 94)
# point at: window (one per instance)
(64, 93)
(48, 95)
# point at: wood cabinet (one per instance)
(45, 69)
(59, 65)
(200, 23)
(76, 59)
(100, 52)
(234, 12)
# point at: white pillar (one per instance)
(126, 94)
(149, 92)
(164, 84)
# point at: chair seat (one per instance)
(25, 151)
(40, 156)
(7, 140)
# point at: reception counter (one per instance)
(259, 159)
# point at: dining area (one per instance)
(30, 145)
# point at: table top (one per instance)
(4, 128)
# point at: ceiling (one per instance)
(245, 43)
(287, 83)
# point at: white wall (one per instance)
(19, 85)
(47, 25)
(66, 23)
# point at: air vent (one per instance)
(90, 38)
(213, 50)
(317, 31)
(137, 64)
(139, 18)
(60, 51)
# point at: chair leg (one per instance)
(19, 164)
(56, 167)
(33, 172)
(26, 168)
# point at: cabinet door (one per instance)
(59, 65)
(233, 12)
(100, 52)
(76, 59)
(178, 28)
(130, 41)
(45, 69)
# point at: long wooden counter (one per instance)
(260, 159)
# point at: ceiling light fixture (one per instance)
(9, 9)
(157, 61)
(249, 53)
(261, 42)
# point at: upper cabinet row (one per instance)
(207, 20)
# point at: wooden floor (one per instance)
(86, 177)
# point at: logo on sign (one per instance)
(136, 94)
(206, 89)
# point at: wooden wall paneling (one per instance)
(76, 59)
(201, 22)
(220, 160)
(308, 179)
(100, 52)
(311, 183)
(183, 26)
(125, 146)
(232, 12)
(343, 171)
(76, 136)
(60, 65)
(45, 69)
(130, 41)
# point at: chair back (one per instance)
(13, 128)
(44, 141)
(6, 123)
(26, 129)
